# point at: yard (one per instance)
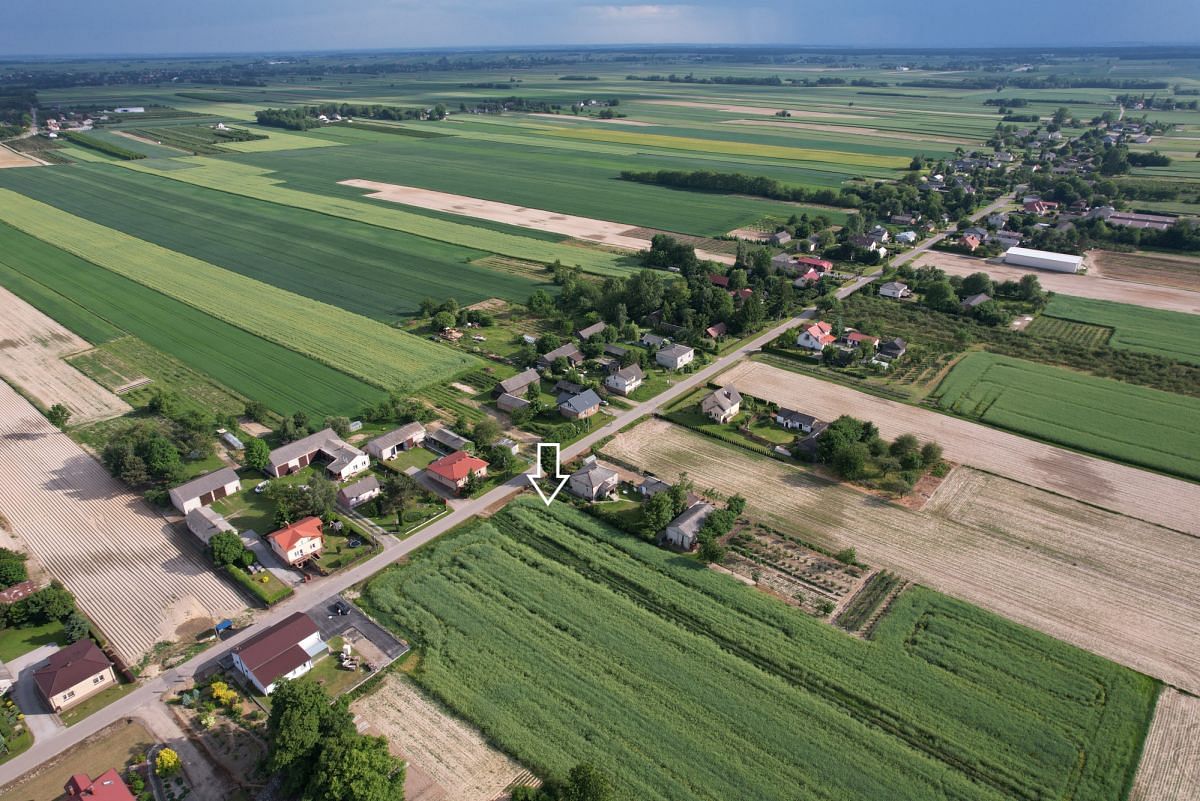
(97, 702)
(114, 747)
(15, 737)
(17, 641)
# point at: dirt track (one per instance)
(1170, 767)
(11, 158)
(1084, 286)
(32, 347)
(136, 577)
(1126, 490)
(1126, 590)
(585, 228)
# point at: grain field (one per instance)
(135, 576)
(32, 347)
(1126, 490)
(1126, 590)
(1170, 767)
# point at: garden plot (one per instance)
(1096, 287)
(798, 575)
(141, 581)
(1170, 766)
(1126, 490)
(461, 764)
(585, 228)
(1127, 590)
(32, 348)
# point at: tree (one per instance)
(52, 603)
(657, 513)
(711, 550)
(356, 768)
(75, 627)
(443, 320)
(301, 719)
(586, 783)
(395, 491)
(904, 444)
(990, 313)
(978, 283)
(167, 762)
(226, 548)
(486, 432)
(1030, 287)
(257, 454)
(851, 461)
(679, 493)
(12, 567)
(736, 504)
(846, 556)
(931, 454)
(340, 425)
(257, 411)
(58, 415)
(162, 459)
(940, 296)
(322, 496)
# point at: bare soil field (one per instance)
(1126, 590)
(1125, 490)
(1087, 285)
(850, 129)
(770, 110)
(1170, 766)
(451, 755)
(32, 347)
(139, 579)
(1182, 272)
(11, 158)
(614, 234)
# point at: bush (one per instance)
(167, 762)
(846, 556)
(262, 593)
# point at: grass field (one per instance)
(564, 640)
(1171, 334)
(381, 273)
(1068, 331)
(53, 280)
(361, 347)
(1144, 427)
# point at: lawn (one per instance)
(281, 378)
(564, 641)
(14, 642)
(1141, 426)
(381, 273)
(338, 553)
(413, 457)
(1171, 334)
(361, 347)
(97, 702)
(327, 671)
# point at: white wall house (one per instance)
(204, 490)
(284, 651)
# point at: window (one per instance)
(68, 695)
(98, 679)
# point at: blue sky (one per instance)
(171, 26)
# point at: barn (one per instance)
(1043, 259)
(204, 490)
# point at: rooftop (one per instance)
(206, 483)
(457, 465)
(305, 528)
(68, 666)
(277, 650)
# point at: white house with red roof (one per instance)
(299, 542)
(454, 471)
(816, 336)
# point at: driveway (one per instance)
(332, 625)
(42, 722)
(270, 560)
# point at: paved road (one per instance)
(308, 595)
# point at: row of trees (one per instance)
(854, 449)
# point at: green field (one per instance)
(380, 273)
(565, 640)
(71, 289)
(1172, 334)
(1128, 423)
(1068, 331)
(369, 350)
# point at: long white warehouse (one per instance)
(1045, 259)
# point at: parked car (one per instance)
(262, 485)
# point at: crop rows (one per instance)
(356, 345)
(1172, 334)
(631, 658)
(1068, 331)
(1145, 427)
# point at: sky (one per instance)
(90, 27)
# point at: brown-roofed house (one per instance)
(284, 651)
(74, 673)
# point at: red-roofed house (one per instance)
(820, 265)
(108, 786)
(453, 471)
(970, 241)
(284, 651)
(1040, 207)
(299, 542)
(74, 673)
(810, 277)
(718, 280)
(816, 336)
(740, 295)
(858, 339)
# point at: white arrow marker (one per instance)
(537, 472)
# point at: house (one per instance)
(740, 295)
(801, 264)
(781, 261)
(510, 403)
(1006, 239)
(388, 446)
(444, 441)
(590, 331)
(577, 407)
(654, 341)
(816, 336)
(1044, 259)
(675, 356)
(895, 289)
(569, 351)
(1039, 207)
(593, 481)
(341, 459)
(683, 531)
(716, 331)
(625, 380)
(974, 300)
(652, 486)
(284, 651)
(108, 786)
(569, 387)
(997, 220)
(722, 405)
(1111, 216)
(74, 673)
(518, 384)
(906, 237)
(615, 351)
(204, 490)
(721, 281)
(454, 471)
(904, 219)
(512, 446)
(359, 492)
(795, 421)
(971, 242)
(810, 277)
(857, 339)
(299, 542)
(879, 234)
(893, 348)
(205, 522)
(780, 238)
